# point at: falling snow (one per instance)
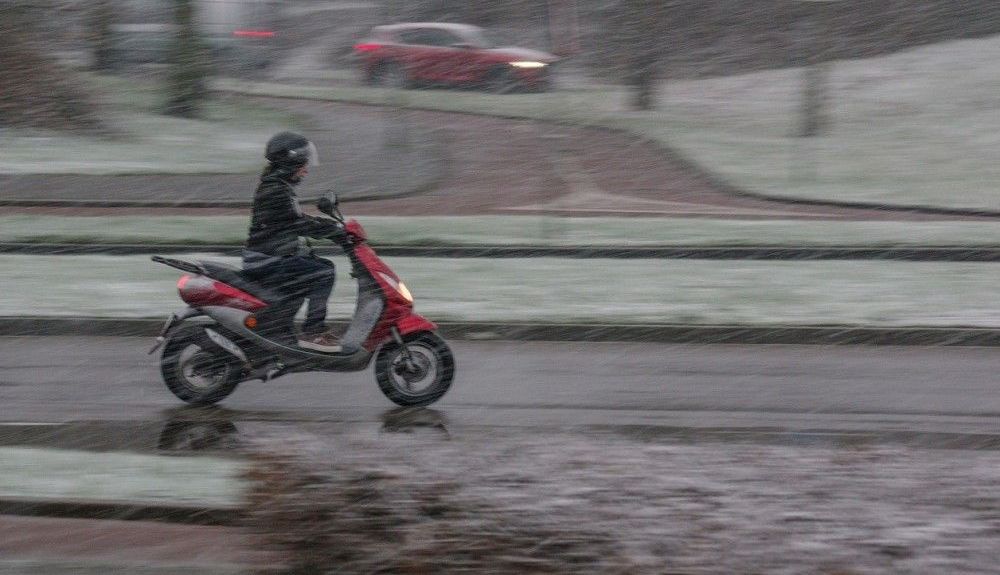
(758, 129)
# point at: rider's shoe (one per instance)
(325, 342)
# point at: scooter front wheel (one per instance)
(416, 373)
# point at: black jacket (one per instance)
(278, 223)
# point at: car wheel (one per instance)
(501, 81)
(392, 75)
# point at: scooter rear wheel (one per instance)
(424, 379)
(196, 371)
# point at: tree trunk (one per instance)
(102, 35)
(189, 66)
(642, 98)
(35, 90)
(813, 115)
(644, 78)
(816, 40)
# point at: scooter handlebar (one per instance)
(340, 236)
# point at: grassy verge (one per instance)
(514, 230)
(915, 128)
(54, 474)
(227, 139)
(556, 290)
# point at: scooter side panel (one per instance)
(233, 319)
(366, 315)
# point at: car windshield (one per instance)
(480, 38)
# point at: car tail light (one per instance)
(367, 47)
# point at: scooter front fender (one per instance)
(414, 323)
(405, 325)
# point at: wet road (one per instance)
(538, 385)
(633, 458)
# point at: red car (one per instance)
(406, 55)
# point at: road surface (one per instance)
(521, 384)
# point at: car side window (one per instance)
(429, 37)
(412, 37)
(441, 38)
(450, 39)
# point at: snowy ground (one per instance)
(55, 474)
(613, 503)
(227, 139)
(919, 127)
(517, 230)
(876, 293)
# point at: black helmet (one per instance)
(291, 150)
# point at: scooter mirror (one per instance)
(328, 204)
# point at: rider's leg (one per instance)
(311, 278)
(320, 288)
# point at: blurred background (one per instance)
(606, 204)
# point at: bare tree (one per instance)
(652, 40)
(36, 90)
(189, 64)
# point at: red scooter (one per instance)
(246, 331)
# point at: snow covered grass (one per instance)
(557, 290)
(915, 128)
(227, 140)
(920, 127)
(515, 230)
(52, 474)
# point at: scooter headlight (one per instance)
(397, 285)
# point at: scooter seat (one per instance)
(233, 276)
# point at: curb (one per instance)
(579, 332)
(927, 253)
(70, 509)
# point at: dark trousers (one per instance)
(301, 277)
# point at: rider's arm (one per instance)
(277, 208)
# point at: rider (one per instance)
(275, 250)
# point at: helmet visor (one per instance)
(306, 154)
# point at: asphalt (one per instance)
(53, 389)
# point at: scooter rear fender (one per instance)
(173, 322)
